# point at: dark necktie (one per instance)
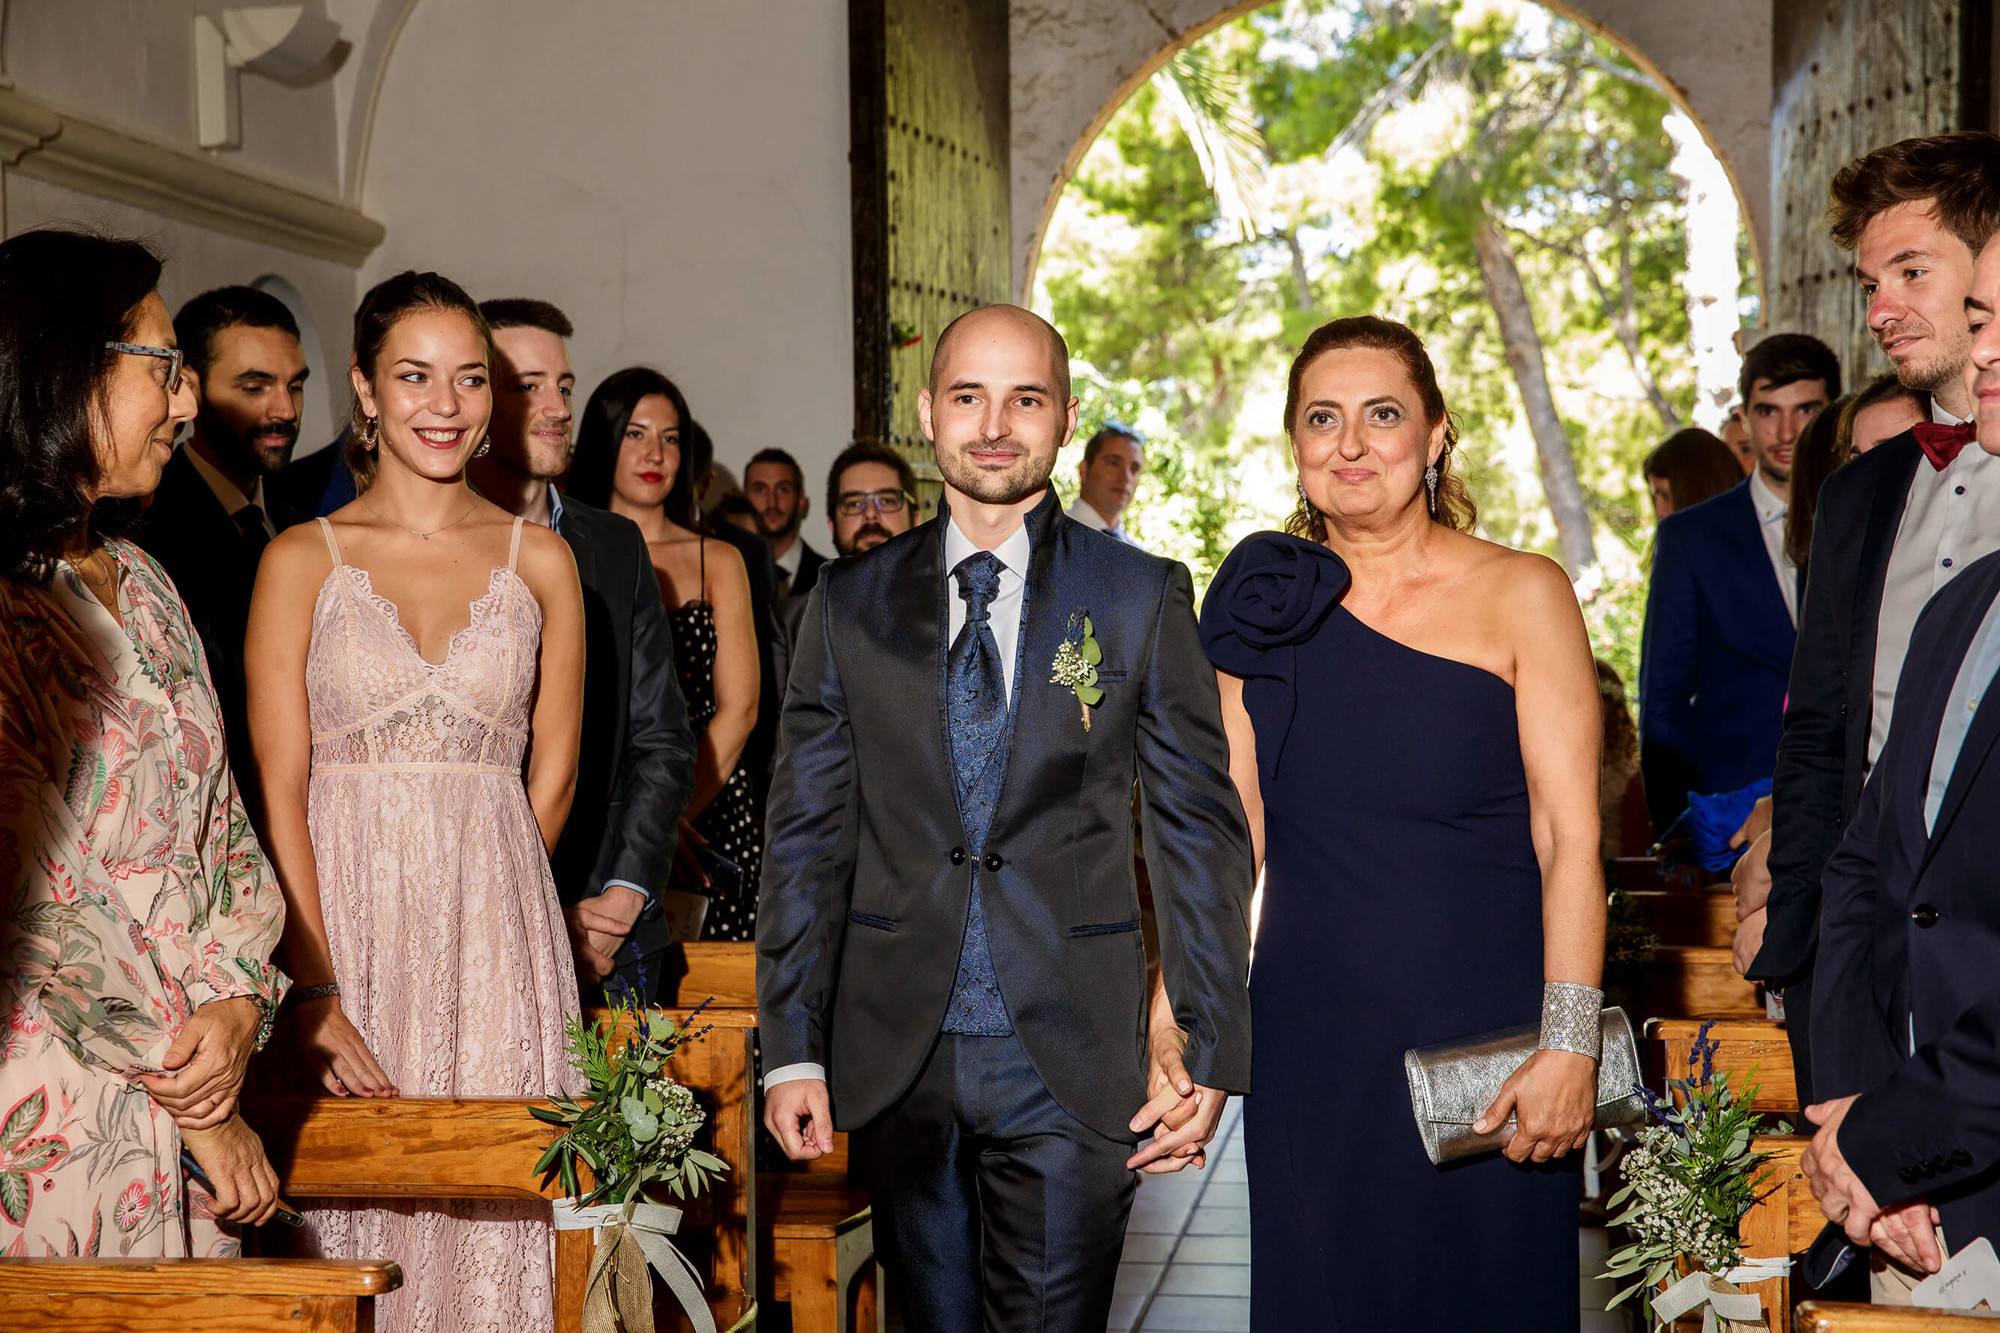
(1941, 444)
(250, 522)
(976, 708)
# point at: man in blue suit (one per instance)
(1722, 611)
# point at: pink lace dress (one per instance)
(447, 939)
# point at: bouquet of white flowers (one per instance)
(634, 1128)
(1689, 1179)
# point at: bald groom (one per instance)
(949, 960)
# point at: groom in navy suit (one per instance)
(949, 958)
(1906, 999)
(1722, 608)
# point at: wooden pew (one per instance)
(1692, 981)
(468, 1148)
(1785, 1220)
(176, 1295)
(1749, 1050)
(1839, 1317)
(1704, 918)
(816, 1251)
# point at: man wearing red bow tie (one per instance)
(1893, 528)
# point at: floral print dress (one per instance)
(132, 892)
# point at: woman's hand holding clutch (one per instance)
(1553, 1097)
(338, 1054)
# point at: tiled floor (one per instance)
(1187, 1251)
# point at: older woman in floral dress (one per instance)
(137, 915)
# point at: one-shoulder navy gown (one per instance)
(1402, 906)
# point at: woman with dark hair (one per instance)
(416, 696)
(1814, 458)
(1690, 467)
(1414, 728)
(1882, 411)
(631, 458)
(137, 915)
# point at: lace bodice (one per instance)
(375, 703)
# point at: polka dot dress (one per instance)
(732, 823)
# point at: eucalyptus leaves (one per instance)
(1076, 664)
(638, 1125)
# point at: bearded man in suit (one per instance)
(1906, 1010)
(949, 957)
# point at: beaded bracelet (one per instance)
(1572, 1018)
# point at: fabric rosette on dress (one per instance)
(1271, 594)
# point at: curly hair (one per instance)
(64, 294)
(1455, 508)
(1957, 174)
(387, 304)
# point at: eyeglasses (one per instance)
(882, 502)
(171, 355)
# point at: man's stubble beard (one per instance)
(1937, 372)
(994, 488)
(245, 452)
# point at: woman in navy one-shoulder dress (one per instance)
(1414, 728)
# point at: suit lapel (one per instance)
(1979, 737)
(1047, 727)
(1746, 536)
(915, 646)
(1878, 540)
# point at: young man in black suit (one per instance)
(1906, 1009)
(1893, 527)
(637, 764)
(948, 935)
(209, 521)
(775, 485)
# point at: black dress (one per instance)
(732, 822)
(1402, 906)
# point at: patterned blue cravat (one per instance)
(976, 708)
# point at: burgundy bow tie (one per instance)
(1941, 444)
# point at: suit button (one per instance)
(1924, 915)
(993, 861)
(1910, 1175)
(1960, 1158)
(958, 856)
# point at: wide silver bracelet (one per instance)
(1572, 1018)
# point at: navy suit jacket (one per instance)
(1909, 945)
(867, 880)
(1715, 658)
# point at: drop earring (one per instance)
(484, 446)
(1431, 485)
(1304, 501)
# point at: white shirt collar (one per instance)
(1944, 418)
(1083, 511)
(225, 490)
(789, 561)
(555, 508)
(1013, 553)
(1770, 505)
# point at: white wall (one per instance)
(674, 176)
(130, 63)
(1074, 62)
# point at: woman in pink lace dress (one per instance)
(416, 668)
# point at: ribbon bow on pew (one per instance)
(630, 1237)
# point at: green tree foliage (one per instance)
(1391, 130)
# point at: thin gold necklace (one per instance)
(471, 505)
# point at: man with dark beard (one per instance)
(948, 955)
(871, 496)
(210, 520)
(636, 768)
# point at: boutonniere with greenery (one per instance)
(1076, 664)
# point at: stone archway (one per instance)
(1075, 64)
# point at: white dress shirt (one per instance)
(1086, 513)
(1003, 616)
(788, 563)
(233, 500)
(1771, 511)
(1951, 518)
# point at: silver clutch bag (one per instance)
(1453, 1081)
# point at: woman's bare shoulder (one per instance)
(299, 551)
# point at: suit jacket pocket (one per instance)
(1108, 928)
(1103, 675)
(872, 922)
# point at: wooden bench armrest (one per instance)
(1838, 1317)
(407, 1147)
(201, 1277)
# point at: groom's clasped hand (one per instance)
(1181, 1113)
